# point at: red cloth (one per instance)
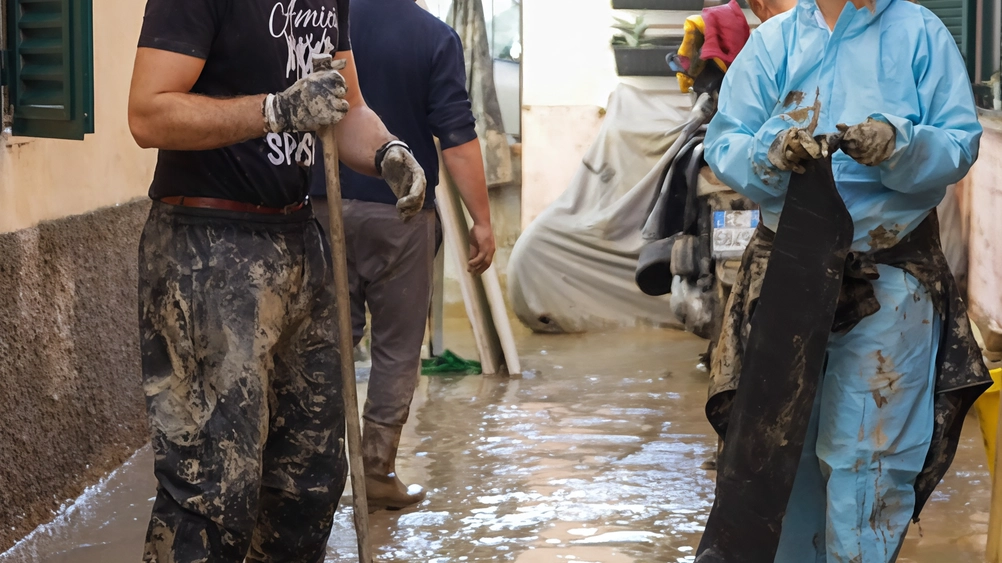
(727, 32)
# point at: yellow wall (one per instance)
(42, 179)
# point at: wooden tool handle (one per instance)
(340, 264)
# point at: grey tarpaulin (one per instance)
(467, 18)
(572, 270)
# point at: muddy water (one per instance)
(594, 454)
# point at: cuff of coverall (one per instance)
(902, 138)
(774, 181)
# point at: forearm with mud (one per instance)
(192, 122)
(465, 164)
(359, 136)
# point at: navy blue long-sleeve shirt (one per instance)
(412, 74)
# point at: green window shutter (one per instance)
(960, 17)
(989, 39)
(50, 67)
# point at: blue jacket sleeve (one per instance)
(939, 147)
(739, 136)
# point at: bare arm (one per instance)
(361, 132)
(164, 114)
(466, 167)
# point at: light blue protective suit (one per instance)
(872, 425)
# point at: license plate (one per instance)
(732, 230)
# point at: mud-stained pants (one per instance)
(869, 435)
(240, 371)
(390, 268)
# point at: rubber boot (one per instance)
(383, 489)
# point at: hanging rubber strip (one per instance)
(781, 372)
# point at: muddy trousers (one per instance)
(240, 372)
(390, 266)
(871, 427)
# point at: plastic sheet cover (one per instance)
(572, 270)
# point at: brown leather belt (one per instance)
(230, 205)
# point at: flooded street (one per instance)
(593, 454)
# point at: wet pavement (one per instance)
(593, 454)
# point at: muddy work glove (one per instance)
(310, 104)
(792, 147)
(398, 167)
(869, 143)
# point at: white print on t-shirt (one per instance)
(286, 21)
(286, 149)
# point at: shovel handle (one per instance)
(340, 265)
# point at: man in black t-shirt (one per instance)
(237, 323)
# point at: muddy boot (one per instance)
(382, 487)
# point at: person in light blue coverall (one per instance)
(892, 71)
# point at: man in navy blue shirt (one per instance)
(412, 74)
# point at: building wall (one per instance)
(554, 139)
(45, 179)
(984, 195)
(567, 60)
(69, 379)
(568, 73)
(70, 218)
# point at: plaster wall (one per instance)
(71, 213)
(984, 195)
(70, 369)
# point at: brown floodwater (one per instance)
(594, 454)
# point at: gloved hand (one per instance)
(792, 147)
(869, 143)
(310, 104)
(405, 177)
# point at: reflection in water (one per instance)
(516, 464)
(593, 455)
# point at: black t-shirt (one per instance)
(249, 47)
